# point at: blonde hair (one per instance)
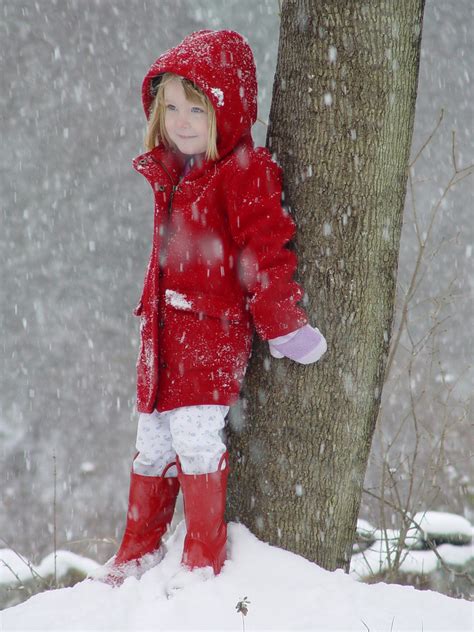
(156, 131)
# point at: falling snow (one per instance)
(75, 238)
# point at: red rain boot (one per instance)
(204, 498)
(151, 504)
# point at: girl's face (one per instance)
(186, 122)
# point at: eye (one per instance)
(197, 110)
(170, 107)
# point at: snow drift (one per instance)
(286, 592)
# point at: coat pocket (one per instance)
(206, 305)
(202, 332)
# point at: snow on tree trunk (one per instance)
(341, 125)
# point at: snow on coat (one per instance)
(219, 268)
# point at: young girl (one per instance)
(218, 270)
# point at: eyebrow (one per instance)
(194, 105)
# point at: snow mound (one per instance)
(285, 591)
(14, 567)
(444, 528)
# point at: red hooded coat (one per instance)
(219, 267)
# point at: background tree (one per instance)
(341, 124)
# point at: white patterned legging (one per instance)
(194, 433)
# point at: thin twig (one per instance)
(55, 547)
(415, 282)
(27, 563)
(457, 176)
(404, 513)
(15, 575)
(453, 152)
(428, 140)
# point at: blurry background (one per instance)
(75, 237)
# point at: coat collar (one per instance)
(170, 162)
(173, 163)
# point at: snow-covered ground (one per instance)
(449, 533)
(285, 591)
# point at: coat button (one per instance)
(162, 323)
(163, 365)
(143, 161)
(160, 187)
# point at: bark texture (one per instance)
(341, 125)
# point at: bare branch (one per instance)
(453, 151)
(404, 513)
(465, 175)
(33, 572)
(413, 203)
(428, 140)
(15, 575)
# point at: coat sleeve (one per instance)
(261, 228)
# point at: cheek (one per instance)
(168, 122)
(204, 128)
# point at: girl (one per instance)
(218, 270)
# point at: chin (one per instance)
(188, 148)
(191, 152)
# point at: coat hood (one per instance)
(221, 64)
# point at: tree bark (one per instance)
(341, 125)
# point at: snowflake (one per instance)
(217, 92)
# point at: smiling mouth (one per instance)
(186, 137)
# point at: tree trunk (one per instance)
(341, 124)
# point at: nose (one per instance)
(183, 121)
